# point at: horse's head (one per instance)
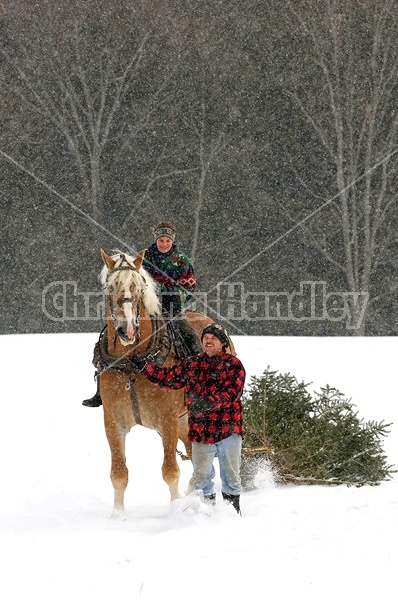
(128, 285)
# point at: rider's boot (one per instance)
(96, 399)
(186, 341)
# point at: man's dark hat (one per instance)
(218, 331)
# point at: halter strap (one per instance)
(122, 267)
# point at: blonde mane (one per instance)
(139, 279)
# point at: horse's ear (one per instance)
(110, 263)
(139, 259)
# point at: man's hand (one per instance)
(138, 363)
(200, 404)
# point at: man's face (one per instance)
(164, 244)
(211, 345)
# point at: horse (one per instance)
(135, 326)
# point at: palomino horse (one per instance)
(135, 326)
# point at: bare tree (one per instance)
(208, 147)
(83, 101)
(96, 80)
(347, 94)
(160, 171)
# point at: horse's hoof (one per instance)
(118, 515)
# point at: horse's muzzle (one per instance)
(125, 339)
(123, 336)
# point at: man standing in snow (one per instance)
(214, 382)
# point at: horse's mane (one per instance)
(140, 279)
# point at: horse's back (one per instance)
(199, 321)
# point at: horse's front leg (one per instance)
(112, 389)
(170, 468)
(119, 471)
(119, 478)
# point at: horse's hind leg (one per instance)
(188, 456)
(183, 436)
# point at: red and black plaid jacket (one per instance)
(214, 386)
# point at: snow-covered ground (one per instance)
(57, 540)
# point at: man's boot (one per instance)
(210, 499)
(96, 399)
(234, 500)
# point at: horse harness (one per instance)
(158, 350)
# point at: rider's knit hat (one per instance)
(218, 331)
(165, 229)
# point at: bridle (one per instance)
(124, 266)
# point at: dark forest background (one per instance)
(266, 131)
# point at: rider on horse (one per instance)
(174, 273)
(175, 276)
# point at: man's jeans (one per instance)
(229, 457)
